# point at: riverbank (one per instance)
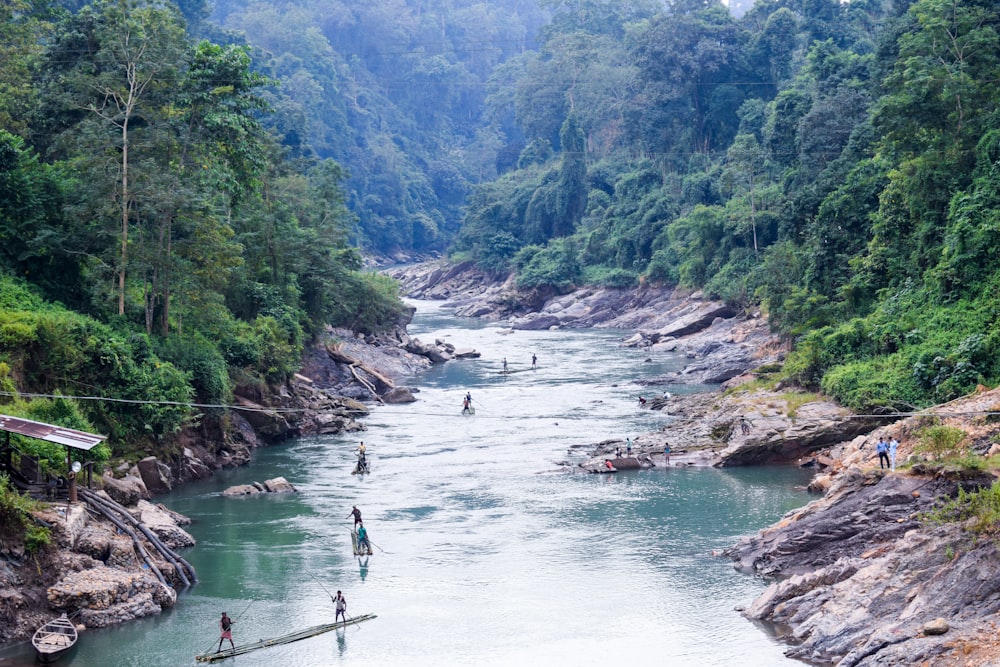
(90, 570)
(864, 577)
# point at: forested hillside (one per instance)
(190, 182)
(834, 163)
(157, 242)
(395, 91)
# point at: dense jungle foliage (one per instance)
(184, 185)
(836, 164)
(159, 241)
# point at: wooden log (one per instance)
(169, 555)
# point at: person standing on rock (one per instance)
(628, 446)
(226, 627)
(356, 513)
(882, 449)
(893, 446)
(666, 453)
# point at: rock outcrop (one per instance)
(863, 577)
(276, 485)
(706, 428)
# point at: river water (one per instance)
(487, 551)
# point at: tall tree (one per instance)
(137, 56)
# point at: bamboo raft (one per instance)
(284, 639)
(358, 550)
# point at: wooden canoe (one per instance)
(54, 639)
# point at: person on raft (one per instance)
(642, 401)
(363, 543)
(226, 627)
(466, 404)
(356, 513)
(341, 605)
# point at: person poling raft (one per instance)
(362, 465)
(284, 639)
(360, 542)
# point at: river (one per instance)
(487, 551)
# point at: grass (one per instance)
(978, 510)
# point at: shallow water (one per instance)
(487, 551)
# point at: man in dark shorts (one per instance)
(356, 513)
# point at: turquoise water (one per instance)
(487, 551)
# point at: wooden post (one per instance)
(71, 476)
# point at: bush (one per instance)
(607, 277)
(202, 360)
(554, 265)
(15, 516)
(939, 440)
(981, 506)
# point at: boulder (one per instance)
(535, 322)
(399, 395)
(193, 466)
(155, 475)
(126, 491)
(241, 490)
(938, 626)
(279, 485)
(164, 524)
(700, 317)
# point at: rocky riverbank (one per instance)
(863, 577)
(719, 342)
(101, 576)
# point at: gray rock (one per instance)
(858, 577)
(279, 485)
(126, 491)
(399, 395)
(938, 626)
(242, 490)
(155, 475)
(535, 322)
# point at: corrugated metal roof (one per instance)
(51, 433)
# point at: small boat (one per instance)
(54, 639)
(284, 639)
(362, 468)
